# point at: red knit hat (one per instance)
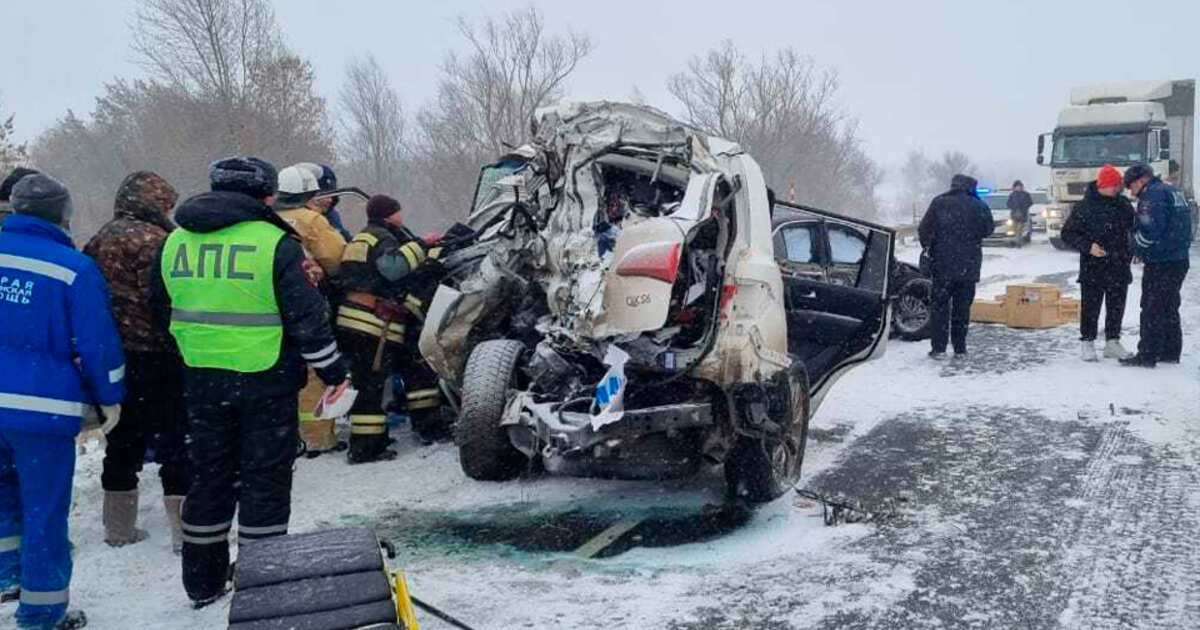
(1109, 177)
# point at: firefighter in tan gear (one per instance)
(378, 326)
(323, 246)
(298, 184)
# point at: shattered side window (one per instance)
(846, 247)
(492, 174)
(798, 245)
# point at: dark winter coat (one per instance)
(126, 249)
(953, 229)
(1164, 224)
(305, 314)
(1107, 221)
(1019, 202)
(382, 261)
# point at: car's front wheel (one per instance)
(485, 451)
(911, 311)
(762, 467)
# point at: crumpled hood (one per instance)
(212, 211)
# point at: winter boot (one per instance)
(74, 620)
(1138, 360)
(1114, 350)
(174, 508)
(937, 356)
(120, 518)
(1087, 351)
(318, 435)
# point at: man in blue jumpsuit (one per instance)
(59, 353)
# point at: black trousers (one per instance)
(1112, 296)
(1161, 329)
(242, 447)
(152, 416)
(950, 313)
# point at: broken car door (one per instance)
(835, 274)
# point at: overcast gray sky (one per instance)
(984, 77)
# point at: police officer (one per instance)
(1162, 237)
(378, 325)
(246, 318)
(59, 352)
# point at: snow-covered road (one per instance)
(1041, 492)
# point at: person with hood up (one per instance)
(246, 318)
(1100, 226)
(6, 190)
(1162, 239)
(952, 232)
(378, 325)
(126, 249)
(60, 353)
(294, 203)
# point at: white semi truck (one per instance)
(1119, 124)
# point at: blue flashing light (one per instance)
(982, 191)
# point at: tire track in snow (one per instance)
(1136, 555)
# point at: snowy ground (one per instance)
(1041, 492)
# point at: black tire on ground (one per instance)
(484, 450)
(910, 312)
(761, 469)
(1058, 243)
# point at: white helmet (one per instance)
(297, 180)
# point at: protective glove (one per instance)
(112, 415)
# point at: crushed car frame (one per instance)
(616, 309)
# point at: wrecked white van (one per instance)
(619, 309)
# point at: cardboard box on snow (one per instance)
(993, 311)
(1068, 310)
(1033, 305)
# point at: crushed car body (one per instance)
(618, 309)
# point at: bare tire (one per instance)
(763, 467)
(911, 311)
(484, 450)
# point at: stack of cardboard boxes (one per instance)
(1031, 305)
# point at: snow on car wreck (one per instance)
(616, 309)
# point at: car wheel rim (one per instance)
(913, 313)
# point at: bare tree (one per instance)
(210, 46)
(373, 126)
(783, 110)
(951, 163)
(485, 102)
(220, 83)
(916, 190)
(11, 153)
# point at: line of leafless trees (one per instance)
(924, 177)
(220, 79)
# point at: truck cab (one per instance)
(1122, 125)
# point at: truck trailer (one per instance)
(1119, 124)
